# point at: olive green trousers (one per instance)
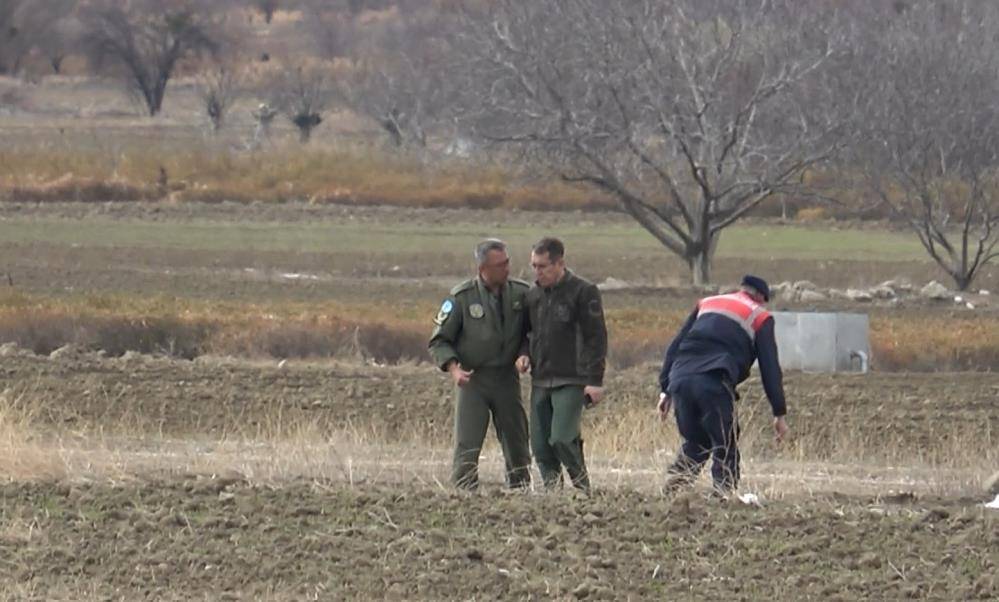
(556, 414)
(495, 394)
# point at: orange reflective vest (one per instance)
(739, 307)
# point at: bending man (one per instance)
(712, 354)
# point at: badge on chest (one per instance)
(562, 313)
(476, 310)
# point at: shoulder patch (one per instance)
(446, 308)
(464, 286)
(595, 308)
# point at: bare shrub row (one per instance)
(210, 174)
(43, 330)
(922, 343)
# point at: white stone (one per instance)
(10, 349)
(935, 290)
(883, 291)
(899, 284)
(780, 287)
(790, 295)
(858, 295)
(66, 350)
(805, 285)
(613, 284)
(807, 296)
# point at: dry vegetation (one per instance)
(330, 481)
(386, 333)
(212, 174)
(83, 414)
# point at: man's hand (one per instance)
(665, 403)
(780, 428)
(523, 364)
(594, 394)
(459, 375)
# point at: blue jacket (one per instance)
(712, 341)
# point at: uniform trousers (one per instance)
(490, 393)
(704, 405)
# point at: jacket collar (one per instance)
(566, 277)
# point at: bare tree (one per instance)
(400, 76)
(63, 37)
(332, 27)
(59, 32)
(267, 8)
(219, 86)
(145, 42)
(689, 112)
(931, 130)
(15, 42)
(304, 94)
(45, 26)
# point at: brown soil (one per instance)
(189, 535)
(225, 539)
(898, 414)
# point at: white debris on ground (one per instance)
(751, 499)
(613, 284)
(994, 504)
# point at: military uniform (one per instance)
(713, 353)
(485, 333)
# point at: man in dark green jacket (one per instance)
(568, 350)
(481, 329)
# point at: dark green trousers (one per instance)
(493, 393)
(556, 441)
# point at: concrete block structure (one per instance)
(823, 342)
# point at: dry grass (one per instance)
(355, 457)
(208, 172)
(387, 333)
(932, 343)
(24, 455)
(188, 329)
(627, 448)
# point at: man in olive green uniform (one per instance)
(568, 350)
(481, 330)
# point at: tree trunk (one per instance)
(700, 268)
(304, 133)
(700, 258)
(962, 280)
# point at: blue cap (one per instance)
(757, 283)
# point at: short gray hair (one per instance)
(482, 249)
